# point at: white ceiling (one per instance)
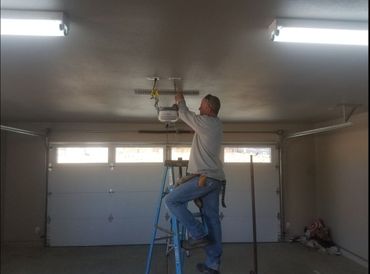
(218, 47)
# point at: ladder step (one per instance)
(163, 238)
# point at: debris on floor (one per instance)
(317, 236)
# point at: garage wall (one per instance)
(299, 184)
(2, 190)
(23, 189)
(342, 183)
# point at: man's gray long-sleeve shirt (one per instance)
(205, 150)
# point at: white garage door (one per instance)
(108, 203)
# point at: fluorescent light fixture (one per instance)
(33, 23)
(319, 31)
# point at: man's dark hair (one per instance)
(213, 102)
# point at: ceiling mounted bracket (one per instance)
(152, 78)
(176, 84)
(174, 79)
(348, 110)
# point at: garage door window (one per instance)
(180, 152)
(79, 155)
(139, 154)
(242, 154)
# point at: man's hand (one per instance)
(179, 97)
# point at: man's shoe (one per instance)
(191, 243)
(202, 268)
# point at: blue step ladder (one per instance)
(177, 232)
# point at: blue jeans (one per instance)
(177, 201)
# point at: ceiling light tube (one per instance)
(319, 31)
(33, 23)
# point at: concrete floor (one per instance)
(273, 258)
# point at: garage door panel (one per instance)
(101, 178)
(265, 179)
(134, 204)
(75, 179)
(136, 178)
(90, 205)
(79, 205)
(239, 203)
(267, 203)
(99, 232)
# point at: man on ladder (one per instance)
(205, 185)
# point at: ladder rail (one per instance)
(156, 219)
(177, 245)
